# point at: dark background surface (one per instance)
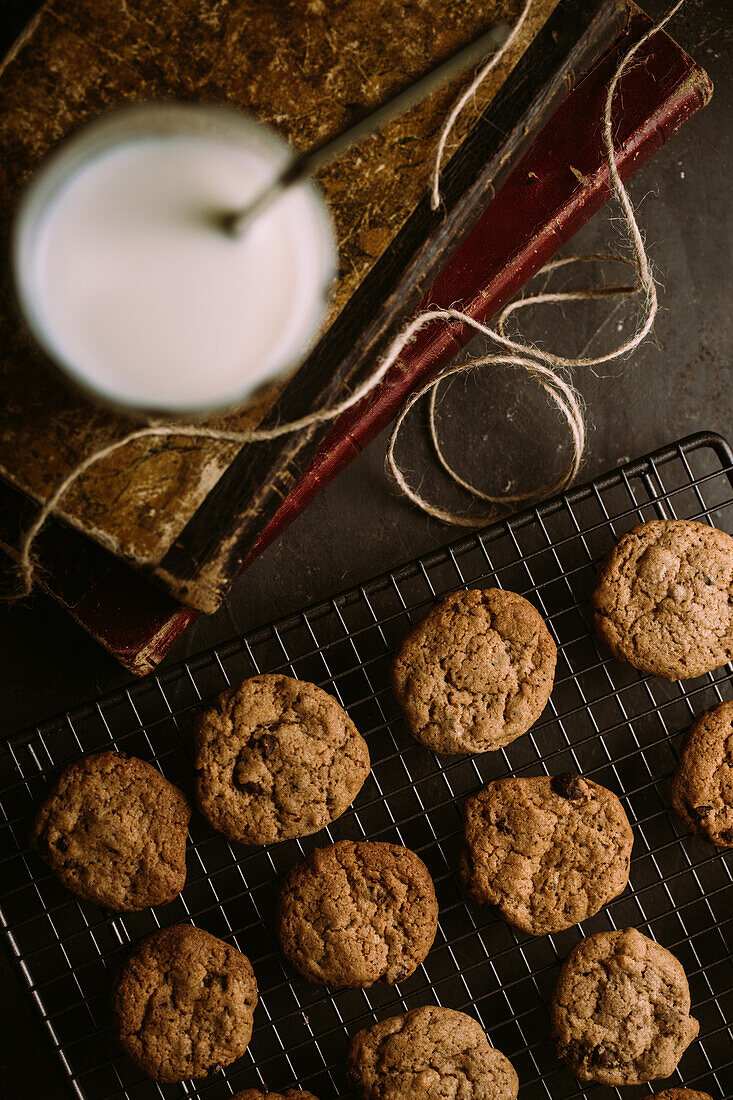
(500, 431)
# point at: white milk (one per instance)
(131, 286)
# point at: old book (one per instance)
(541, 205)
(187, 514)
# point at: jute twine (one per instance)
(549, 371)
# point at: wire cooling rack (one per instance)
(604, 720)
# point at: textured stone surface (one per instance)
(114, 831)
(548, 852)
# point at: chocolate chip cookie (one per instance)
(476, 673)
(681, 1094)
(356, 913)
(702, 788)
(289, 1094)
(664, 598)
(183, 1003)
(621, 1010)
(277, 758)
(548, 852)
(113, 830)
(432, 1053)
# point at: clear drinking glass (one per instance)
(309, 235)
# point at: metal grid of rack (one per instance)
(604, 719)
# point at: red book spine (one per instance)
(559, 184)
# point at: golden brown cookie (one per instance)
(476, 673)
(183, 1003)
(664, 598)
(432, 1053)
(114, 831)
(621, 1010)
(546, 851)
(356, 913)
(702, 788)
(277, 758)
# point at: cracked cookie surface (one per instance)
(476, 673)
(357, 912)
(183, 1003)
(547, 851)
(621, 1010)
(277, 758)
(430, 1053)
(664, 598)
(702, 787)
(113, 830)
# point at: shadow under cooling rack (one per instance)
(604, 719)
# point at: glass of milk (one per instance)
(131, 286)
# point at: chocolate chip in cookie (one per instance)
(183, 1003)
(357, 912)
(277, 758)
(548, 852)
(476, 673)
(621, 1010)
(664, 598)
(114, 831)
(432, 1053)
(702, 787)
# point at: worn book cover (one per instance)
(552, 191)
(188, 513)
